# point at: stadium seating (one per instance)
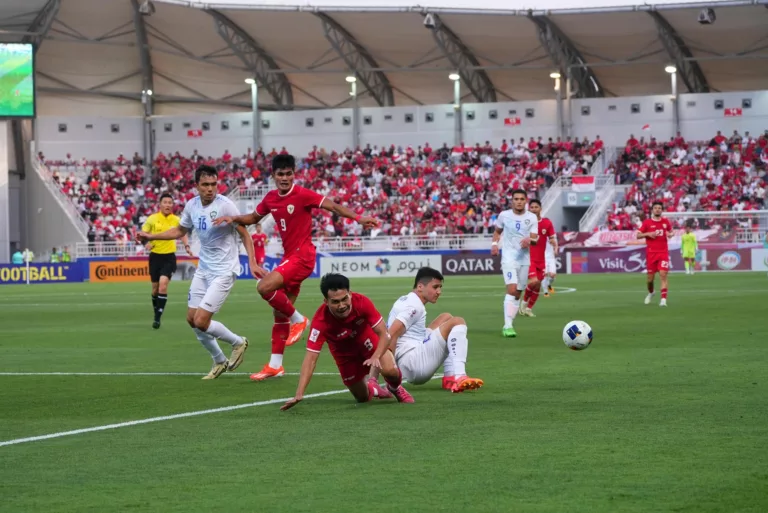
(421, 191)
(724, 173)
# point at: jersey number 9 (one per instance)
(283, 225)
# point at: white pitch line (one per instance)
(160, 419)
(145, 374)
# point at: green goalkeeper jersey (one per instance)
(689, 244)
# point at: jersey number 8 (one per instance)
(283, 225)
(368, 344)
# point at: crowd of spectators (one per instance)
(721, 174)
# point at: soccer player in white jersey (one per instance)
(217, 270)
(550, 269)
(517, 230)
(420, 350)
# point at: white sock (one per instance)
(448, 366)
(221, 332)
(545, 284)
(276, 361)
(510, 310)
(209, 343)
(457, 350)
(296, 317)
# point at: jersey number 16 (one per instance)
(201, 225)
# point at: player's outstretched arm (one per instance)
(242, 220)
(174, 233)
(381, 331)
(247, 241)
(495, 242)
(187, 247)
(307, 369)
(366, 221)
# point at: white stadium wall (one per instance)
(611, 118)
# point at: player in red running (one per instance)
(291, 206)
(656, 231)
(538, 259)
(260, 240)
(352, 326)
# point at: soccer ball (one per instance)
(577, 335)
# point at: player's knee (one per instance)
(201, 322)
(265, 289)
(191, 320)
(458, 321)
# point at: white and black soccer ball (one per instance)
(577, 335)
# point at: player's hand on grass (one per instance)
(290, 404)
(257, 271)
(373, 362)
(369, 222)
(222, 220)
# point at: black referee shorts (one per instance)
(161, 264)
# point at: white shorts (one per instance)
(420, 363)
(517, 274)
(550, 266)
(209, 292)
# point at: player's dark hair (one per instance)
(205, 171)
(165, 195)
(531, 202)
(333, 281)
(283, 162)
(659, 203)
(426, 275)
(519, 191)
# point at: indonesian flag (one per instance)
(646, 127)
(583, 183)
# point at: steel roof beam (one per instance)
(567, 58)
(42, 23)
(147, 79)
(265, 69)
(357, 58)
(688, 70)
(462, 58)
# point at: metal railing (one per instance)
(119, 249)
(248, 194)
(64, 201)
(596, 210)
(600, 180)
(551, 196)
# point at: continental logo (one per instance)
(119, 271)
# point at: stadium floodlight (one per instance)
(351, 79)
(554, 74)
(670, 69)
(250, 81)
(454, 76)
(149, 92)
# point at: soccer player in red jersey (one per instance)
(656, 231)
(538, 259)
(291, 206)
(259, 245)
(352, 326)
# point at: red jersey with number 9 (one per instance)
(661, 228)
(348, 336)
(293, 219)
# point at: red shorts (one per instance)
(536, 270)
(657, 262)
(350, 363)
(294, 271)
(260, 258)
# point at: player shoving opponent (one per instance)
(656, 231)
(354, 329)
(538, 269)
(688, 248)
(217, 270)
(420, 349)
(291, 206)
(516, 230)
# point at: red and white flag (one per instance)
(511, 121)
(194, 133)
(646, 127)
(583, 183)
(732, 113)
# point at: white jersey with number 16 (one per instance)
(515, 228)
(219, 251)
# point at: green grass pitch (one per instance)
(17, 87)
(666, 411)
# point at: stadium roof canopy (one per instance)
(195, 55)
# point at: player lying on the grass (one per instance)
(291, 206)
(688, 248)
(421, 350)
(537, 270)
(656, 231)
(517, 230)
(354, 329)
(217, 270)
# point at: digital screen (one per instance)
(17, 80)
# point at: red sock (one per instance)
(532, 297)
(280, 302)
(527, 293)
(663, 293)
(280, 330)
(393, 383)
